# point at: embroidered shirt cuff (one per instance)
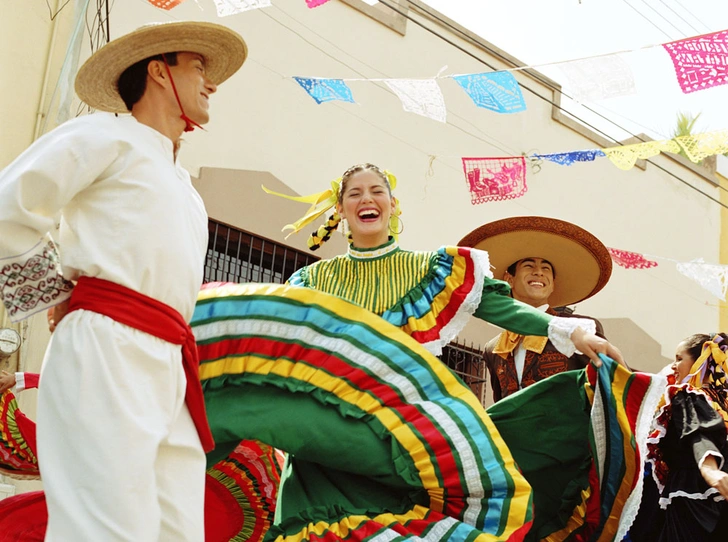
(19, 382)
(32, 282)
(718, 459)
(560, 330)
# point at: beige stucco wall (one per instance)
(247, 207)
(35, 48)
(21, 85)
(722, 175)
(265, 125)
(263, 121)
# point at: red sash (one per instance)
(153, 317)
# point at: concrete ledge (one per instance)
(383, 14)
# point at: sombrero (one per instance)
(223, 49)
(581, 261)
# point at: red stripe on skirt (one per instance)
(456, 301)
(274, 349)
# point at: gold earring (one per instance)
(401, 227)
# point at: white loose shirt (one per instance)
(129, 214)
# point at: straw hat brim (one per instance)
(223, 49)
(581, 262)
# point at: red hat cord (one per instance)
(189, 123)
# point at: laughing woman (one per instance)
(428, 294)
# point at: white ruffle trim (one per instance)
(717, 456)
(710, 492)
(642, 431)
(560, 330)
(661, 430)
(481, 262)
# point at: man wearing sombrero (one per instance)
(548, 263)
(121, 420)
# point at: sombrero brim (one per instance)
(582, 262)
(223, 49)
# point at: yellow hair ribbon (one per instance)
(391, 179)
(709, 348)
(320, 202)
(394, 221)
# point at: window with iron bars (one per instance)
(235, 255)
(467, 362)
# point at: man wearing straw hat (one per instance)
(548, 263)
(121, 419)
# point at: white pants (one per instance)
(120, 458)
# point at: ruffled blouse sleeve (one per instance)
(437, 309)
(299, 278)
(451, 285)
(699, 426)
(460, 284)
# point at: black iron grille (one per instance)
(235, 255)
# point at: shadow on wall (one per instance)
(640, 350)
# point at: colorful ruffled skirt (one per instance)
(240, 497)
(17, 441)
(383, 441)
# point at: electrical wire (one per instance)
(546, 83)
(536, 75)
(108, 30)
(486, 138)
(680, 16)
(392, 135)
(594, 128)
(544, 98)
(664, 18)
(691, 13)
(648, 20)
(76, 31)
(98, 34)
(636, 123)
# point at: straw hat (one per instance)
(223, 49)
(581, 262)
